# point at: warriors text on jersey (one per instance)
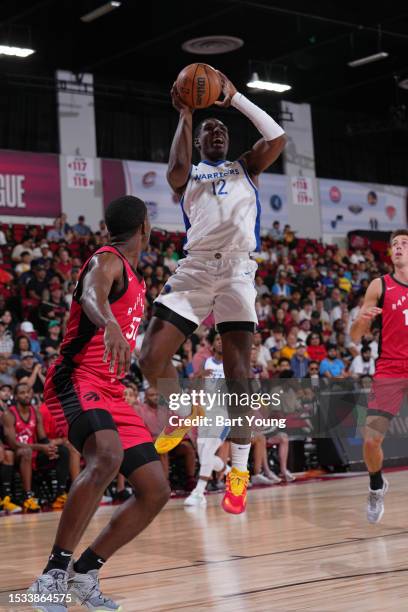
(221, 208)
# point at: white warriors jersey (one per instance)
(217, 368)
(221, 208)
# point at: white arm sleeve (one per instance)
(261, 120)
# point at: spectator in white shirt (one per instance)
(3, 239)
(264, 256)
(324, 315)
(276, 340)
(263, 308)
(307, 309)
(43, 251)
(363, 365)
(276, 232)
(6, 341)
(370, 340)
(264, 355)
(357, 257)
(260, 286)
(304, 330)
(20, 248)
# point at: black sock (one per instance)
(59, 559)
(28, 494)
(6, 479)
(88, 561)
(376, 481)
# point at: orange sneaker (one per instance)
(172, 435)
(31, 505)
(59, 503)
(235, 497)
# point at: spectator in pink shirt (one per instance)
(155, 418)
(202, 353)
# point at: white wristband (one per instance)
(261, 120)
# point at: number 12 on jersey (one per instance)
(218, 187)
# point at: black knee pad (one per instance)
(88, 423)
(137, 456)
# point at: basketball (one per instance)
(198, 85)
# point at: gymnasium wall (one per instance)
(35, 188)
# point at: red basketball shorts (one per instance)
(70, 392)
(389, 387)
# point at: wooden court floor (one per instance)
(298, 547)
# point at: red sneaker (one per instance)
(235, 497)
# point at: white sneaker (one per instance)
(288, 476)
(375, 503)
(273, 478)
(260, 479)
(195, 499)
(106, 500)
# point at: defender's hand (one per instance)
(117, 348)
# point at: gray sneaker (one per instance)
(52, 586)
(85, 589)
(375, 503)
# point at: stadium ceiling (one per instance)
(140, 43)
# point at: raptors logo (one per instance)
(91, 396)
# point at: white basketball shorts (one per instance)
(218, 282)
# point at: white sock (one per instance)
(218, 464)
(201, 485)
(239, 456)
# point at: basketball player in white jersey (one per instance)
(221, 208)
(210, 437)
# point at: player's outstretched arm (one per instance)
(266, 150)
(179, 166)
(368, 312)
(104, 270)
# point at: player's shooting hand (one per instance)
(117, 350)
(178, 104)
(228, 89)
(368, 313)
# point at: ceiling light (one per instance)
(15, 51)
(403, 83)
(368, 59)
(100, 11)
(256, 83)
(212, 45)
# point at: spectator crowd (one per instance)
(308, 295)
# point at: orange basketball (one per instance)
(198, 85)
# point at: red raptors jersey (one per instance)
(83, 346)
(26, 431)
(394, 320)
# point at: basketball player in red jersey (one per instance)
(386, 297)
(25, 435)
(83, 390)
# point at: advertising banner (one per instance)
(347, 206)
(29, 184)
